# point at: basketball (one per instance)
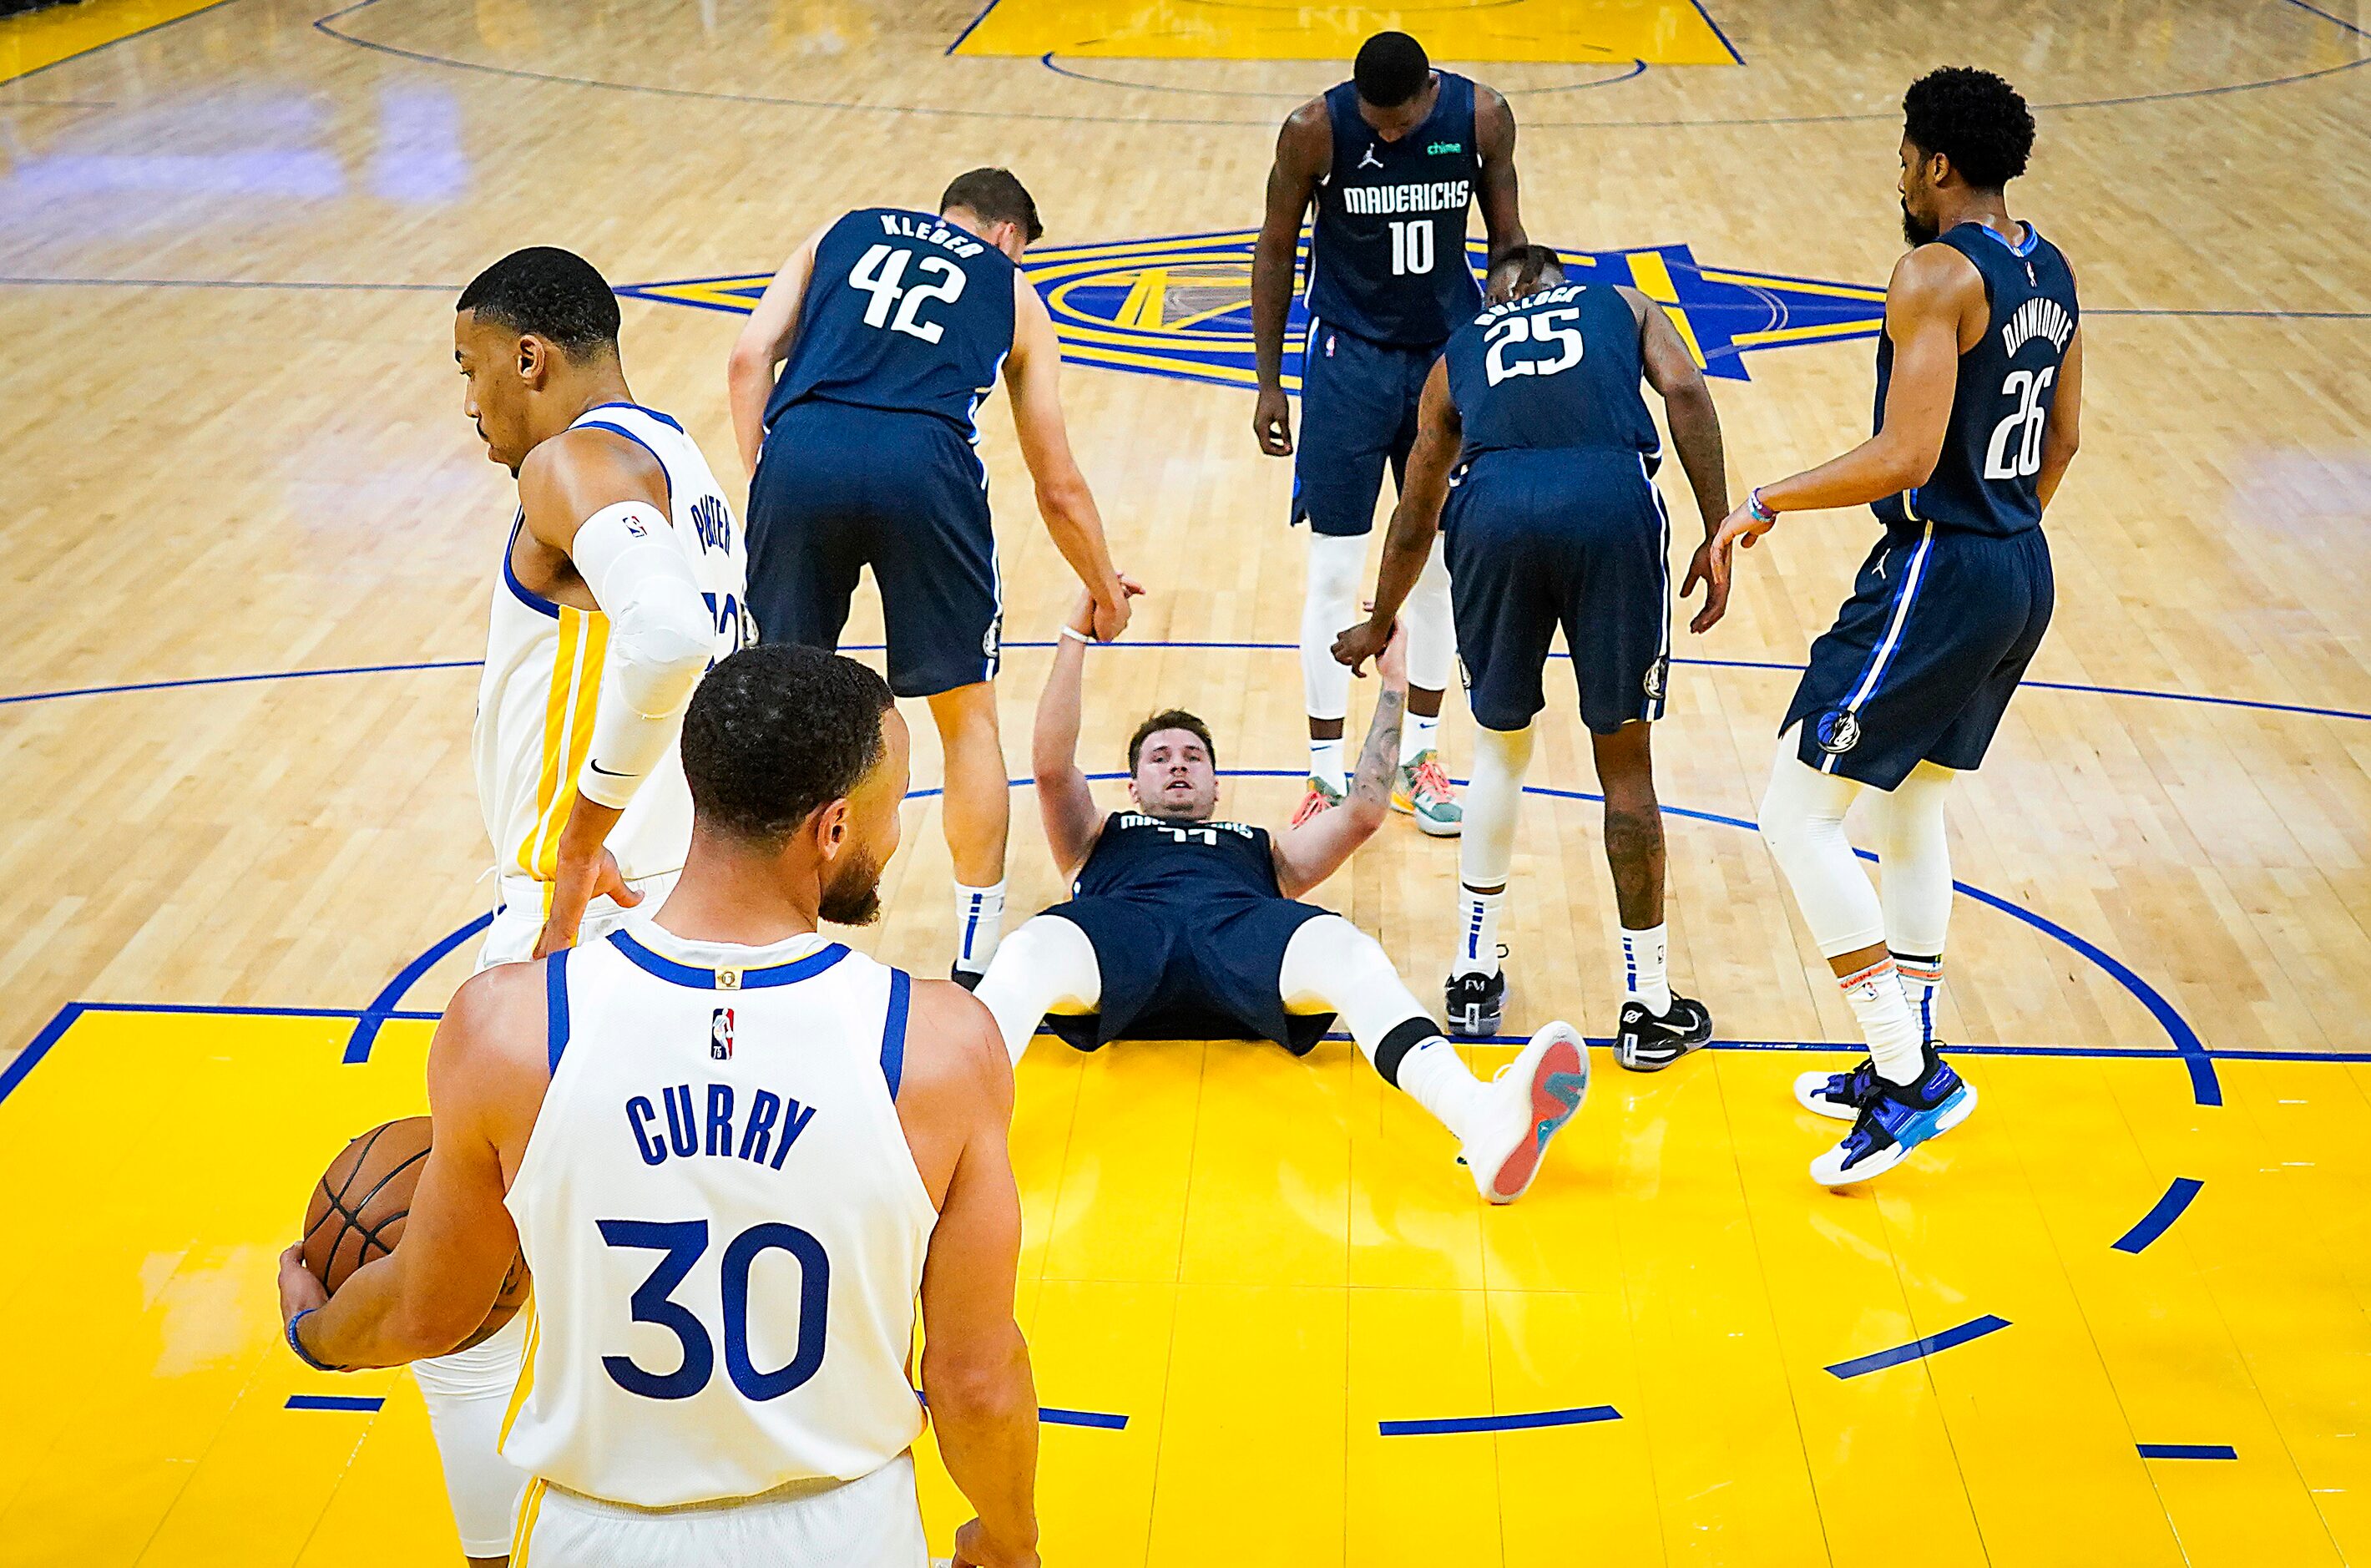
(358, 1208)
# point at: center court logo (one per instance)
(1180, 306)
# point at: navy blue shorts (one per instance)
(1923, 658)
(1540, 540)
(1207, 972)
(1357, 411)
(841, 488)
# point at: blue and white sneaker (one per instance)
(1527, 1104)
(1896, 1120)
(1840, 1095)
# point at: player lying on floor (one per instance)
(1182, 927)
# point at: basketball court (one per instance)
(2121, 1319)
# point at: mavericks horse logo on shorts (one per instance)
(1838, 732)
(1657, 673)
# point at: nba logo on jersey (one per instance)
(720, 1035)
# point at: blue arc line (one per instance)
(2188, 1451)
(358, 1045)
(2160, 1218)
(1523, 1421)
(363, 1402)
(1919, 1350)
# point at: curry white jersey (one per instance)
(546, 671)
(724, 1223)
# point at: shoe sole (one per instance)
(1558, 1086)
(1958, 1108)
(1475, 1028)
(1693, 1041)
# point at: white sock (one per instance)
(1418, 735)
(1922, 977)
(1477, 931)
(1877, 1001)
(1643, 979)
(979, 924)
(1325, 762)
(1437, 1079)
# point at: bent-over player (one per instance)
(1393, 160)
(1979, 396)
(1535, 459)
(621, 582)
(733, 1153)
(1182, 927)
(895, 326)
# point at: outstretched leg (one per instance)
(1047, 966)
(977, 811)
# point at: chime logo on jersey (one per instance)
(1180, 306)
(720, 1035)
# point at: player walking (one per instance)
(1182, 927)
(895, 326)
(734, 1154)
(1553, 519)
(1979, 398)
(621, 582)
(1393, 159)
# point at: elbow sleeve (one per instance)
(661, 635)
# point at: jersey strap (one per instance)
(697, 979)
(892, 1030)
(555, 1006)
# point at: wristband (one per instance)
(1757, 511)
(308, 1357)
(1077, 636)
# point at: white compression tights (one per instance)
(1803, 823)
(1494, 798)
(1337, 568)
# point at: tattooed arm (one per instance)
(1311, 853)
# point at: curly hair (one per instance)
(776, 732)
(1974, 119)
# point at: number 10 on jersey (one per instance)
(1411, 246)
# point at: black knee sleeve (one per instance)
(1403, 1038)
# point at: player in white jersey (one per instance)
(623, 580)
(734, 1154)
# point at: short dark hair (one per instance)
(775, 733)
(998, 196)
(1391, 69)
(1170, 718)
(551, 293)
(1974, 119)
(1530, 263)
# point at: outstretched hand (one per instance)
(1089, 616)
(1366, 640)
(1716, 604)
(1719, 552)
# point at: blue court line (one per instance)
(2188, 1451)
(1707, 15)
(1916, 1350)
(2300, 709)
(225, 283)
(1638, 68)
(358, 1045)
(2160, 1218)
(1521, 1421)
(970, 26)
(362, 1402)
(1053, 1416)
(109, 43)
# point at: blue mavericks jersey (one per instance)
(1555, 370)
(1188, 865)
(1984, 480)
(902, 312)
(1387, 254)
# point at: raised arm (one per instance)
(1494, 144)
(1414, 521)
(1671, 370)
(1311, 853)
(2061, 433)
(765, 342)
(601, 501)
(486, 1078)
(1033, 375)
(1303, 149)
(957, 1105)
(1064, 802)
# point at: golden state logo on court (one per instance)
(1181, 306)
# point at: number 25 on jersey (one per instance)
(881, 273)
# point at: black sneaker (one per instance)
(1475, 1003)
(1649, 1044)
(968, 978)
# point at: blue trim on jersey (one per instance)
(555, 1006)
(638, 407)
(2032, 237)
(620, 430)
(535, 602)
(673, 973)
(892, 1030)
